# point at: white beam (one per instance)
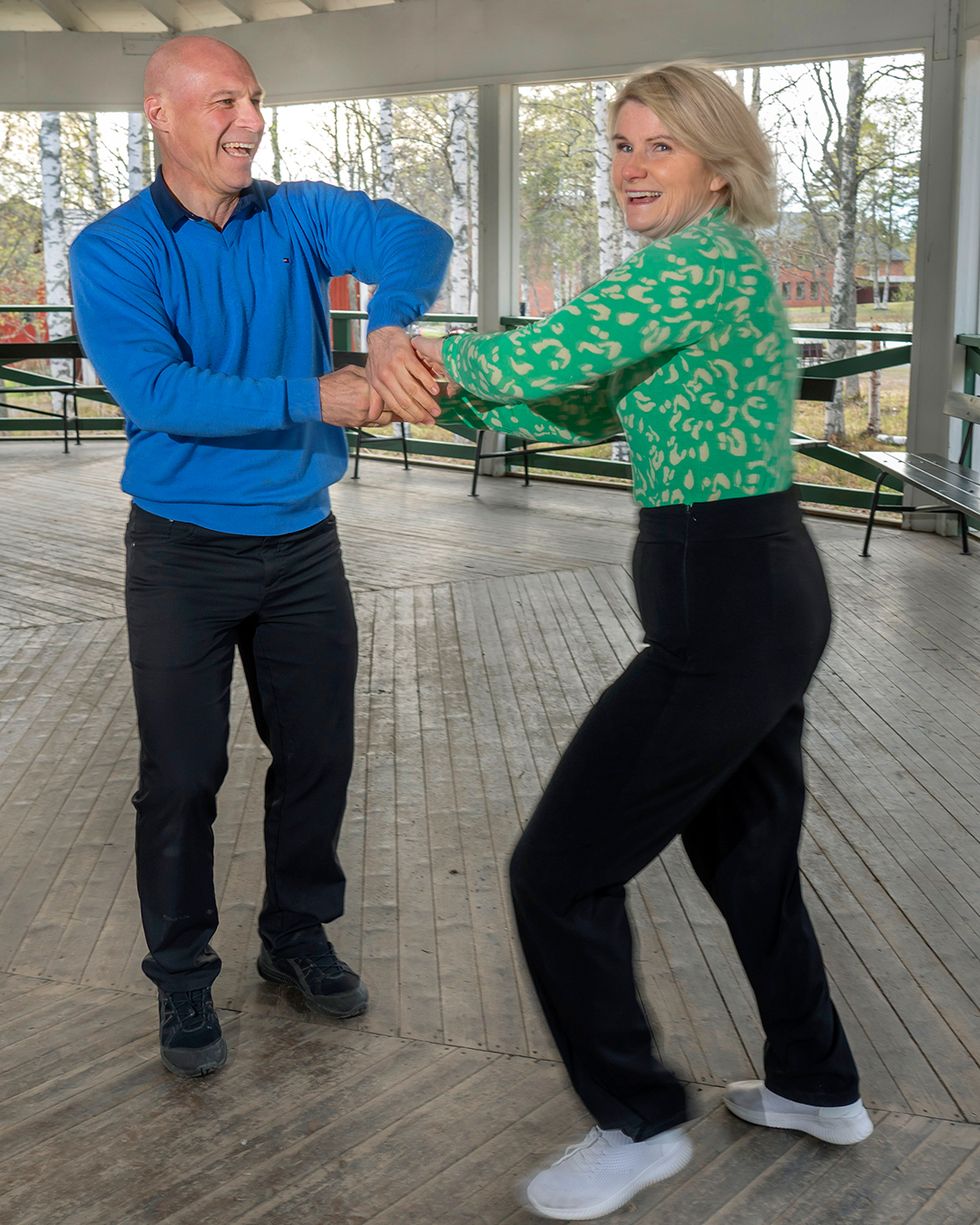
(441, 44)
(68, 15)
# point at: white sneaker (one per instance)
(752, 1101)
(603, 1172)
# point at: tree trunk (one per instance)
(274, 145)
(608, 228)
(843, 310)
(53, 237)
(136, 142)
(95, 167)
(386, 181)
(460, 269)
(874, 390)
(386, 148)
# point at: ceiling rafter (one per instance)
(69, 16)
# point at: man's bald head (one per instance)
(204, 104)
(181, 61)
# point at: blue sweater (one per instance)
(211, 341)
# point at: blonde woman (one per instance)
(687, 348)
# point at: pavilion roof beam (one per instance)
(239, 7)
(177, 17)
(69, 16)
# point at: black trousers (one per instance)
(699, 737)
(192, 597)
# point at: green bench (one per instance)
(954, 482)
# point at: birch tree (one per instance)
(136, 151)
(53, 238)
(95, 164)
(459, 146)
(274, 145)
(608, 223)
(843, 303)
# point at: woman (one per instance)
(686, 345)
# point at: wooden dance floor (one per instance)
(487, 628)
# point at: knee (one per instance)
(532, 878)
(181, 785)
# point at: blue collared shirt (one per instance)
(212, 340)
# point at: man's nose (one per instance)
(250, 116)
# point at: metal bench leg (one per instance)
(357, 456)
(964, 531)
(871, 517)
(64, 421)
(476, 462)
(527, 478)
(404, 447)
(74, 409)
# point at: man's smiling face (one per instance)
(207, 111)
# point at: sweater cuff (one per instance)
(303, 400)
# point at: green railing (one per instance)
(895, 351)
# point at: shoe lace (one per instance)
(325, 965)
(587, 1154)
(190, 1009)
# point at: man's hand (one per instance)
(399, 378)
(346, 400)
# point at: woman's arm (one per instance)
(582, 415)
(661, 299)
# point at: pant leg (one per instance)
(736, 616)
(182, 612)
(743, 846)
(300, 658)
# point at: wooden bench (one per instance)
(955, 483)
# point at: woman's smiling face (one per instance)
(660, 185)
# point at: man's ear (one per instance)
(156, 114)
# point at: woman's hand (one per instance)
(429, 349)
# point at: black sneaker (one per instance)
(328, 984)
(190, 1033)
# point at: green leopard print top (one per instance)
(684, 347)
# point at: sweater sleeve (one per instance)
(661, 299)
(383, 244)
(126, 333)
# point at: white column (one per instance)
(498, 261)
(498, 197)
(933, 327)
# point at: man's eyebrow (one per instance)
(231, 92)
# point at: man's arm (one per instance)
(127, 334)
(406, 257)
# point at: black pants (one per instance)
(192, 597)
(700, 737)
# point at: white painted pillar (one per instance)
(499, 211)
(933, 327)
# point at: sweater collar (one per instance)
(253, 199)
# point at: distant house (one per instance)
(893, 272)
(805, 278)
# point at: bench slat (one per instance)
(933, 474)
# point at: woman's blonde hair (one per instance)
(702, 111)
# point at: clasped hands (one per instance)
(397, 384)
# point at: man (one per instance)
(202, 302)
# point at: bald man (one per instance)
(203, 304)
